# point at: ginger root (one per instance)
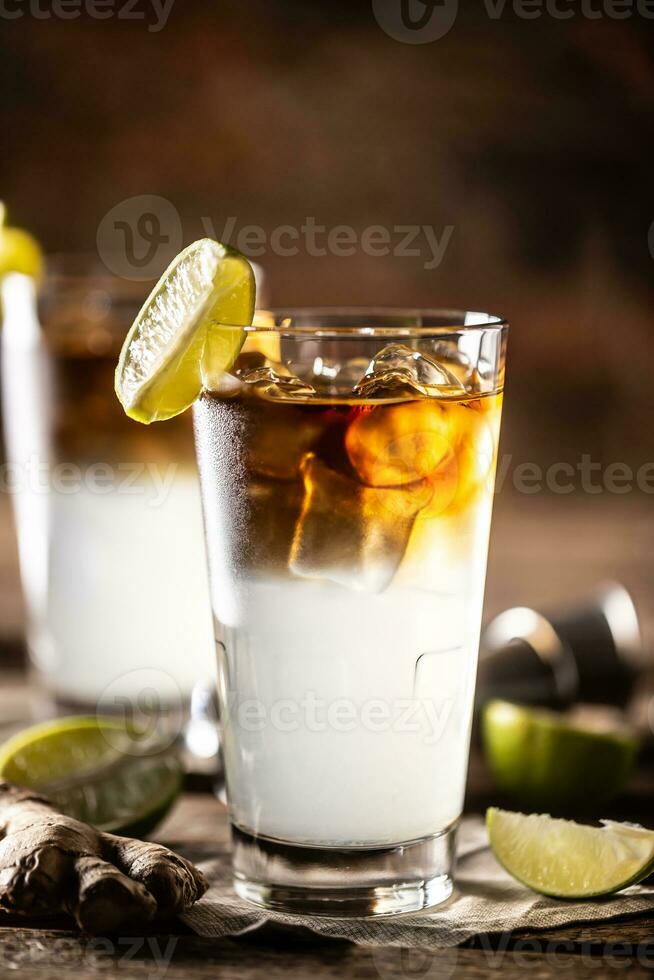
(52, 863)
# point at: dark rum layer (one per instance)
(295, 475)
(87, 421)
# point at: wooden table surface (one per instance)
(44, 949)
(545, 550)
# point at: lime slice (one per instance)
(19, 251)
(555, 762)
(97, 770)
(564, 859)
(180, 336)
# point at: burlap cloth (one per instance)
(486, 900)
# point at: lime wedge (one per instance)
(96, 770)
(564, 859)
(19, 251)
(566, 764)
(181, 334)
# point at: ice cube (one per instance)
(222, 384)
(275, 380)
(350, 534)
(272, 518)
(281, 438)
(476, 425)
(392, 445)
(399, 367)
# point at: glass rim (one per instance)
(374, 321)
(86, 271)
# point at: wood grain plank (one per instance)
(39, 953)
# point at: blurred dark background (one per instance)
(531, 138)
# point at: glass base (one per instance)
(344, 881)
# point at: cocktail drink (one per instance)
(347, 462)
(347, 488)
(108, 513)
